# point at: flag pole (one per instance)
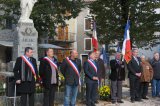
(129, 13)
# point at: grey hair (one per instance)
(143, 56)
(156, 53)
(134, 49)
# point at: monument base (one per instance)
(25, 35)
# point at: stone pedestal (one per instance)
(25, 35)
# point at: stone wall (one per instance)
(2, 58)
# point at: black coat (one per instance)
(89, 72)
(71, 77)
(117, 71)
(25, 86)
(134, 68)
(45, 72)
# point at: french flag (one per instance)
(126, 49)
(94, 37)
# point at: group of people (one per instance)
(28, 77)
(141, 72)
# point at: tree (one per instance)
(111, 17)
(46, 14)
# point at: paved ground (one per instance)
(126, 99)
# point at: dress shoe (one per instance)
(113, 102)
(138, 100)
(145, 98)
(120, 101)
(96, 102)
(132, 101)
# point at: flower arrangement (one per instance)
(61, 77)
(61, 82)
(39, 89)
(104, 92)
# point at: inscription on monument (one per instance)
(26, 36)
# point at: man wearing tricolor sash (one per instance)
(48, 71)
(70, 68)
(26, 75)
(91, 78)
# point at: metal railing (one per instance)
(65, 37)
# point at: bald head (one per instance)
(156, 56)
(74, 54)
(97, 54)
(92, 55)
(143, 58)
(118, 56)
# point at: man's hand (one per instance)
(102, 80)
(37, 84)
(122, 66)
(95, 78)
(18, 81)
(138, 74)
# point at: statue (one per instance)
(26, 9)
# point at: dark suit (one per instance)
(68, 72)
(26, 87)
(45, 72)
(91, 85)
(117, 76)
(133, 68)
(117, 71)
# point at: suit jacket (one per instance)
(134, 67)
(25, 86)
(89, 72)
(45, 72)
(101, 69)
(117, 71)
(70, 75)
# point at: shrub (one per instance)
(104, 92)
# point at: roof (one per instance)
(49, 46)
(6, 43)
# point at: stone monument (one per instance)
(26, 9)
(25, 34)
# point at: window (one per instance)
(84, 58)
(9, 23)
(87, 44)
(62, 32)
(87, 24)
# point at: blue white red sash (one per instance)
(93, 65)
(51, 62)
(74, 68)
(29, 63)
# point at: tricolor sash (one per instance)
(29, 63)
(93, 65)
(51, 62)
(74, 68)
